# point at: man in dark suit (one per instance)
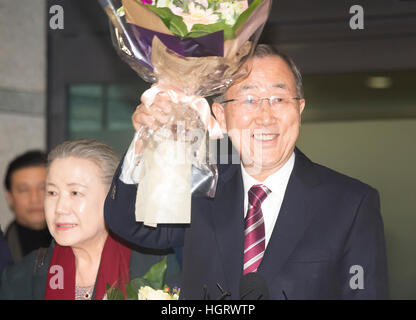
(24, 184)
(308, 231)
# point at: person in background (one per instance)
(24, 184)
(83, 257)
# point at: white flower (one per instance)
(175, 10)
(148, 293)
(162, 3)
(227, 13)
(198, 15)
(203, 3)
(175, 296)
(169, 4)
(230, 11)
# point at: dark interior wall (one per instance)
(80, 53)
(318, 35)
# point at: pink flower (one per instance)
(147, 1)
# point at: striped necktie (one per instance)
(254, 233)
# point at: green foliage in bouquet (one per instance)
(244, 16)
(199, 30)
(176, 25)
(173, 22)
(153, 278)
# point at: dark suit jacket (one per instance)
(13, 241)
(328, 224)
(5, 255)
(26, 280)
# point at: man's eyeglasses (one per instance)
(252, 103)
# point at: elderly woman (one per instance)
(83, 257)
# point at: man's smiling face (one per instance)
(265, 136)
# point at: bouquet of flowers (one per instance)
(189, 49)
(149, 287)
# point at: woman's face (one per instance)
(74, 202)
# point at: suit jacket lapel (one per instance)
(294, 217)
(228, 221)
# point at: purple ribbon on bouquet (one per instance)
(209, 45)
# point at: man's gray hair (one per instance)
(100, 153)
(265, 50)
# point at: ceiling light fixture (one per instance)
(378, 82)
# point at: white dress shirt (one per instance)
(277, 183)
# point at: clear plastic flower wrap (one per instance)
(189, 49)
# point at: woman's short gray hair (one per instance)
(100, 153)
